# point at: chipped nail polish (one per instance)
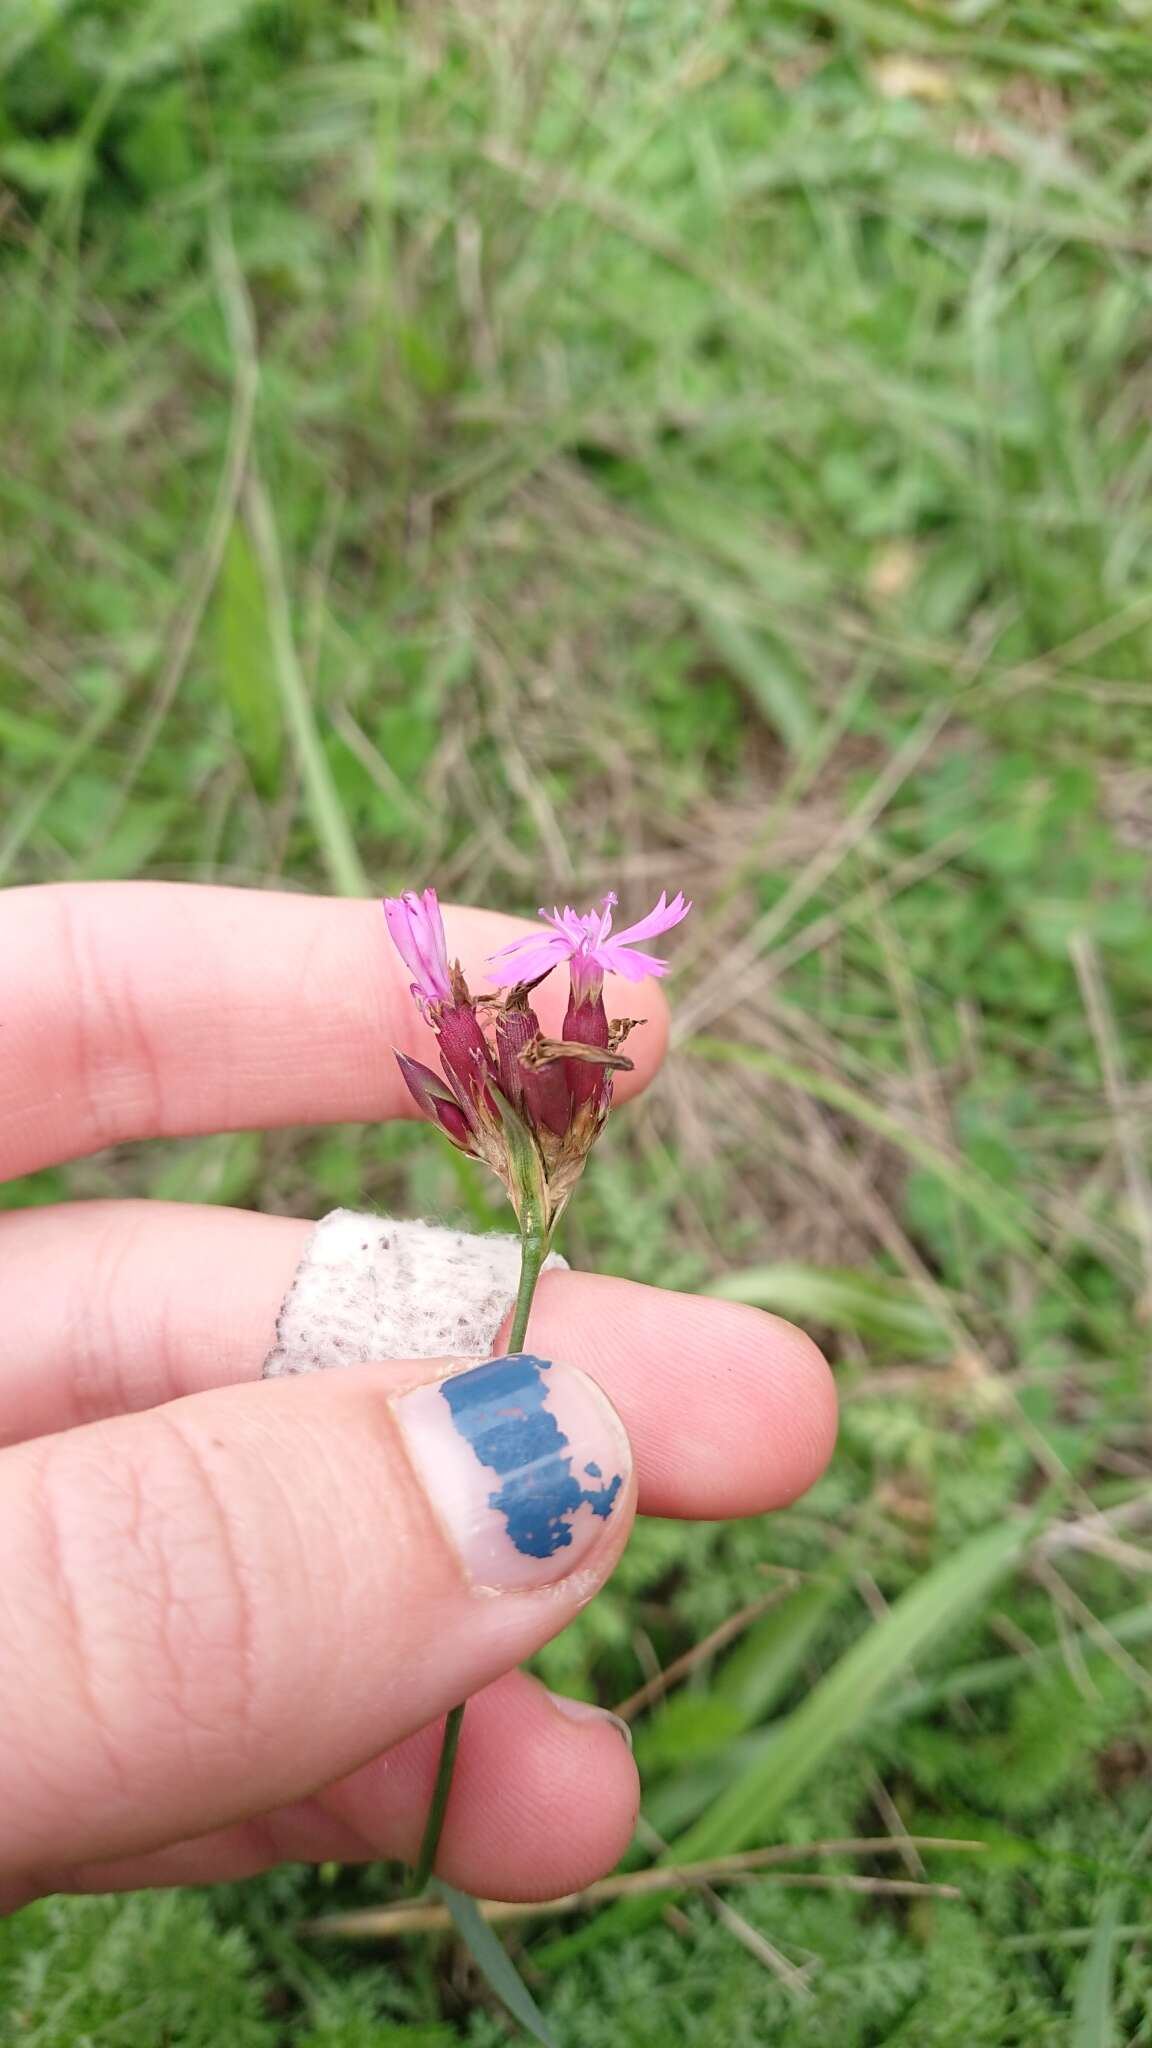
(524, 1461)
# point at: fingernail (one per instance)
(524, 1461)
(583, 1710)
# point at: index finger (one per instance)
(165, 1009)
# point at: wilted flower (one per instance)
(529, 1106)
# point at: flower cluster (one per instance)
(530, 1106)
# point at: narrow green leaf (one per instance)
(245, 661)
(688, 1728)
(1093, 2020)
(490, 1956)
(124, 852)
(703, 1739)
(25, 23)
(53, 166)
(329, 821)
(26, 817)
(769, 1658)
(783, 1758)
(676, 1801)
(769, 673)
(876, 1306)
(327, 816)
(838, 1708)
(995, 1674)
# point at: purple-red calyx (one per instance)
(511, 1079)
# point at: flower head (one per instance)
(417, 931)
(531, 1107)
(590, 946)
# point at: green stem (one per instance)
(533, 1252)
(434, 1824)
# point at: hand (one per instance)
(231, 1613)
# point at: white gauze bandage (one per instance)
(369, 1287)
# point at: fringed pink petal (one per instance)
(660, 919)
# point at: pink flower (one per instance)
(417, 931)
(441, 995)
(530, 1107)
(590, 946)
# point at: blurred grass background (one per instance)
(557, 444)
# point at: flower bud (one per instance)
(435, 1099)
(586, 1023)
(540, 1093)
(463, 1046)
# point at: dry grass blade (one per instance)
(379, 1922)
(1065, 1597)
(754, 1940)
(1097, 1530)
(791, 1976)
(709, 1646)
(712, 1000)
(978, 1190)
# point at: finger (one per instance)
(113, 1307)
(121, 1305)
(217, 1608)
(157, 1009)
(541, 1804)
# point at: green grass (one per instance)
(543, 447)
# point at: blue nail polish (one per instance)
(501, 1410)
(525, 1461)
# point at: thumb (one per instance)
(218, 1606)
